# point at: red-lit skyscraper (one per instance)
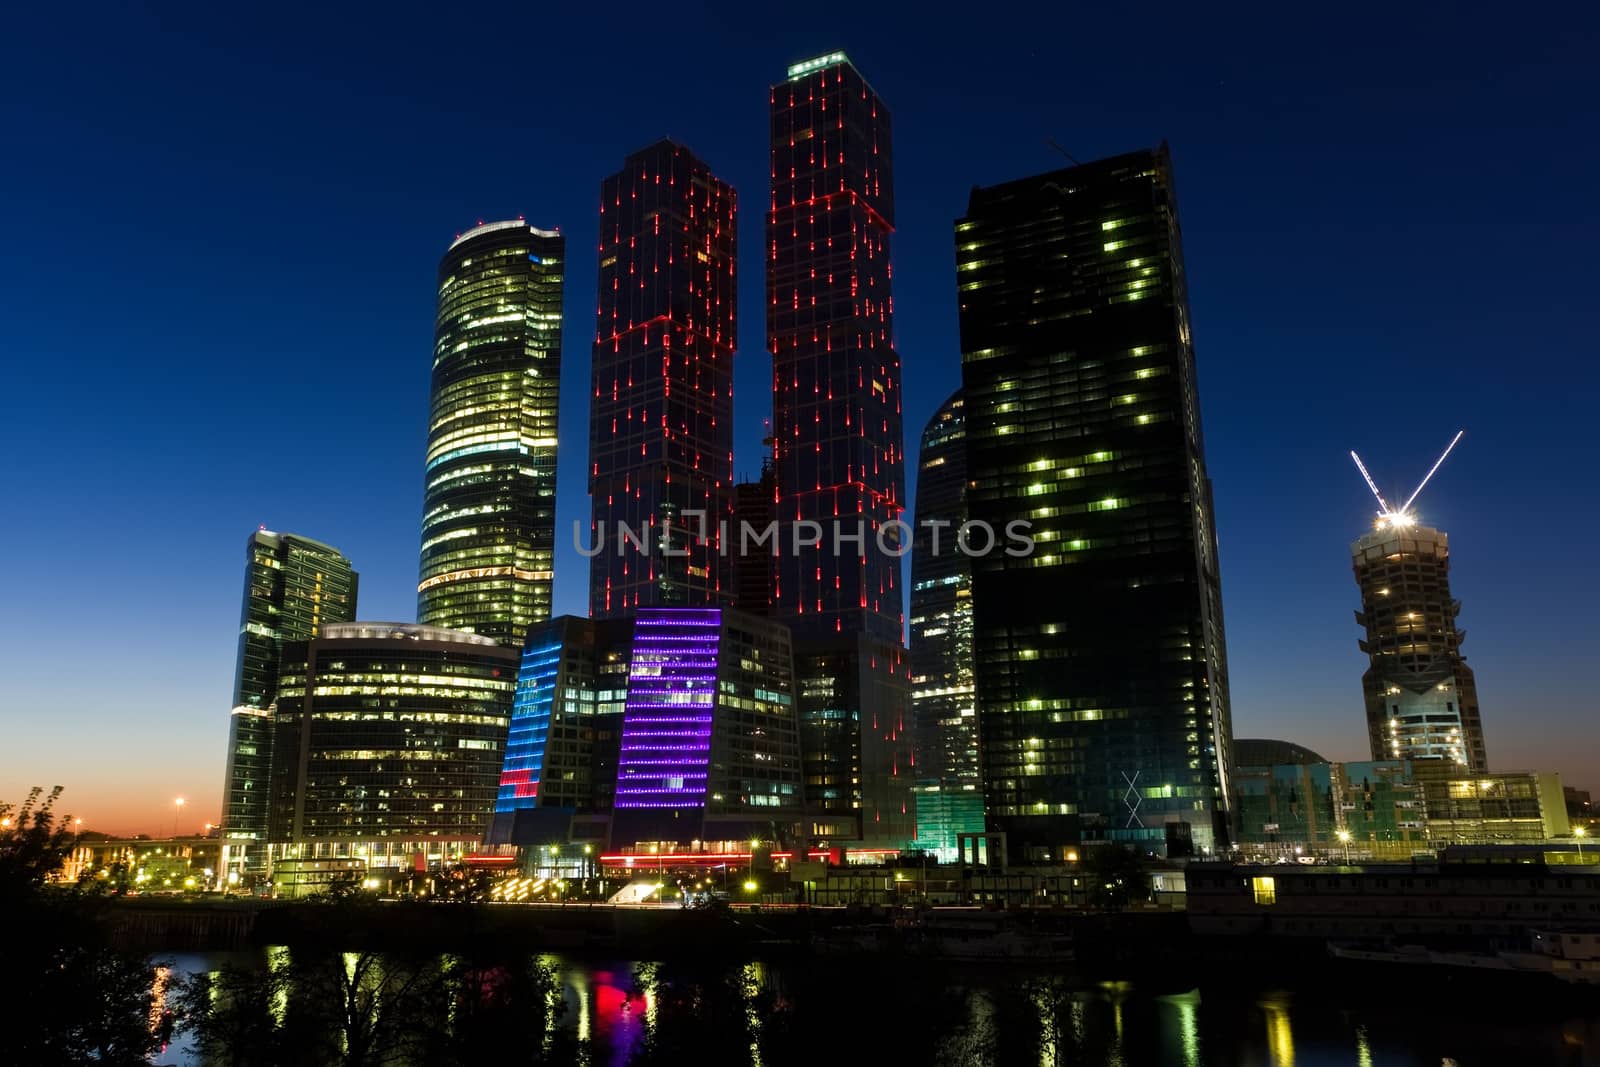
(661, 421)
(838, 451)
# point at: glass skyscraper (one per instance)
(1101, 667)
(943, 699)
(661, 418)
(389, 731)
(839, 450)
(293, 587)
(488, 524)
(1420, 695)
(838, 454)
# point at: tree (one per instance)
(72, 997)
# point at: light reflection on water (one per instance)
(1081, 1024)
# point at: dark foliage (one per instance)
(70, 997)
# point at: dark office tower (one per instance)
(293, 586)
(1102, 674)
(566, 729)
(1421, 697)
(836, 377)
(488, 523)
(390, 738)
(754, 512)
(838, 449)
(661, 422)
(944, 708)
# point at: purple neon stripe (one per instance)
(665, 752)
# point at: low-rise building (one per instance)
(1478, 892)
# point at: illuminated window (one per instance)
(1265, 889)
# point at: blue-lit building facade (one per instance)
(838, 447)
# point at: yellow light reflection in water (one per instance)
(158, 997)
(277, 961)
(1280, 1036)
(1116, 992)
(1363, 1050)
(754, 978)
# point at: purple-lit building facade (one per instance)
(839, 451)
(710, 738)
(661, 416)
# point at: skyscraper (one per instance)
(944, 710)
(390, 736)
(488, 523)
(293, 587)
(839, 456)
(753, 508)
(838, 446)
(1421, 697)
(1101, 667)
(661, 422)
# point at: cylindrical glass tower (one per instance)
(488, 524)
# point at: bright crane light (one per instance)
(1401, 517)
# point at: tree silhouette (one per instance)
(71, 997)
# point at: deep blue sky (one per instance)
(216, 292)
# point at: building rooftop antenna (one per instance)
(1402, 515)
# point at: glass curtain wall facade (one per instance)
(488, 524)
(1365, 810)
(390, 731)
(661, 424)
(754, 508)
(293, 586)
(710, 741)
(566, 729)
(1421, 697)
(838, 446)
(943, 695)
(1101, 666)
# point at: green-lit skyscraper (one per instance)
(293, 587)
(1101, 670)
(488, 523)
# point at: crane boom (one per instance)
(1431, 471)
(1362, 467)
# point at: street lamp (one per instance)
(179, 802)
(1344, 839)
(1579, 833)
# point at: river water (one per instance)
(877, 1014)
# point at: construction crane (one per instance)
(1403, 516)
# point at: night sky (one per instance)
(217, 285)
